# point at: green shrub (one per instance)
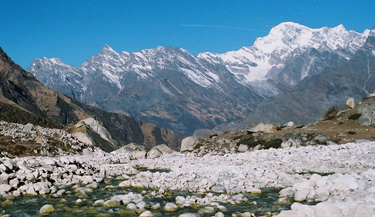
(250, 141)
(355, 116)
(13, 114)
(238, 137)
(19, 149)
(275, 143)
(213, 135)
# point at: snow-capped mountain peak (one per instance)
(45, 62)
(286, 40)
(107, 50)
(45, 66)
(171, 87)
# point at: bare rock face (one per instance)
(99, 129)
(90, 132)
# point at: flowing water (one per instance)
(261, 204)
(264, 203)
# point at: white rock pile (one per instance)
(333, 176)
(44, 137)
(339, 178)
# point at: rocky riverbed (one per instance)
(325, 180)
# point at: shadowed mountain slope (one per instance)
(23, 91)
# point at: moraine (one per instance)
(339, 179)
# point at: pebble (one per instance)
(46, 209)
(170, 207)
(188, 215)
(147, 214)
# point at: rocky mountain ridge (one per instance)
(177, 90)
(286, 41)
(315, 94)
(22, 91)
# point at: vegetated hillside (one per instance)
(13, 114)
(21, 89)
(315, 94)
(174, 89)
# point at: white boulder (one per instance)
(136, 155)
(5, 188)
(327, 209)
(187, 143)
(242, 148)
(350, 103)
(154, 153)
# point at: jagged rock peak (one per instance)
(163, 50)
(48, 61)
(5, 56)
(372, 32)
(107, 50)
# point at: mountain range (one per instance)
(176, 90)
(23, 99)
(315, 94)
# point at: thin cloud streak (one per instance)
(221, 27)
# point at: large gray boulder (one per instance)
(154, 153)
(243, 148)
(90, 132)
(99, 129)
(165, 149)
(367, 110)
(135, 151)
(158, 151)
(267, 128)
(136, 147)
(187, 144)
(135, 155)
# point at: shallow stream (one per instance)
(261, 204)
(264, 203)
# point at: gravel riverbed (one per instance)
(333, 180)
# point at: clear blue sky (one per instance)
(75, 30)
